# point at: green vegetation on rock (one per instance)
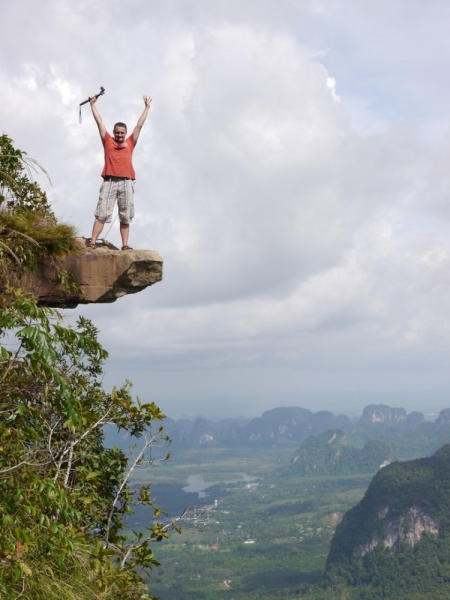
(64, 495)
(29, 231)
(330, 453)
(396, 541)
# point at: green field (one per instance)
(265, 539)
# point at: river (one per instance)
(197, 484)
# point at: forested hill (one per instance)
(330, 453)
(396, 541)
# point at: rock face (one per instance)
(444, 418)
(101, 276)
(409, 527)
(381, 413)
(395, 543)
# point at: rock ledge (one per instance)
(101, 276)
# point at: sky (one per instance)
(293, 173)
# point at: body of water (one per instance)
(197, 484)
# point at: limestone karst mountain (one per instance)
(330, 453)
(396, 539)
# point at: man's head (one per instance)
(120, 132)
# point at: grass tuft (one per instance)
(28, 237)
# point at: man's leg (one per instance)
(126, 210)
(96, 231)
(124, 232)
(104, 210)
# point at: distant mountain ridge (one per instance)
(275, 426)
(293, 424)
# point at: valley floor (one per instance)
(266, 538)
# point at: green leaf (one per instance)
(25, 569)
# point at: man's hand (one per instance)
(97, 117)
(137, 129)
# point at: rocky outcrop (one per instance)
(444, 418)
(95, 276)
(394, 543)
(404, 502)
(381, 413)
(408, 527)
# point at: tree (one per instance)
(29, 230)
(64, 495)
(18, 191)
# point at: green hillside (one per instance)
(330, 453)
(396, 541)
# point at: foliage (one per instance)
(421, 486)
(292, 519)
(29, 231)
(419, 572)
(64, 496)
(290, 546)
(28, 237)
(18, 191)
(330, 453)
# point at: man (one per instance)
(118, 175)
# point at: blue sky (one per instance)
(293, 173)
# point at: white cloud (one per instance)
(303, 223)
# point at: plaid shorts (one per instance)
(110, 191)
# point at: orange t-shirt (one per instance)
(118, 157)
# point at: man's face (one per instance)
(120, 134)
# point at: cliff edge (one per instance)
(100, 276)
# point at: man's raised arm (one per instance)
(97, 117)
(137, 129)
